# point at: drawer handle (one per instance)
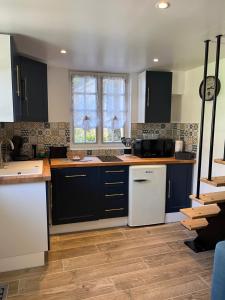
(114, 183)
(114, 209)
(75, 176)
(17, 81)
(116, 171)
(148, 102)
(113, 195)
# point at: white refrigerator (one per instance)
(147, 195)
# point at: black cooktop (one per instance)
(108, 158)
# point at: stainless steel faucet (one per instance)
(4, 142)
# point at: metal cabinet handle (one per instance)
(17, 81)
(114, 183)
(148, 100)
(116, 171)
(75, 176)
(113, 195)
(114, 209)
(169, 189)
(25, 95)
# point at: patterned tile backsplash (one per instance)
(58, 134)
(188, 132)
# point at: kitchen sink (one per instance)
(19, 168)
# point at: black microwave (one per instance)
(154, 148)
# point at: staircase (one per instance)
(208, 219)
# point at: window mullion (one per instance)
(100, 110)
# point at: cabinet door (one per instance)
(114, 192)
(34, 98)
(158, 97)
(74, 195)
(179, 187)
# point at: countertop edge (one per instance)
(165, 161)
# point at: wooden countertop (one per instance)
(45, 176)
(93, 161)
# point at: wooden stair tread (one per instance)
(210, 198)
(193, 224)
(219, 161)
(201, 211)
(216, 181)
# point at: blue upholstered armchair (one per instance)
(218, 280)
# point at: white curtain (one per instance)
(84, 93)
(114, 103)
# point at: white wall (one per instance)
(6, 96)
(59, 103)
(190, 111)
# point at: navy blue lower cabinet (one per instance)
(179, 187)
(114, 191)
(75, 195)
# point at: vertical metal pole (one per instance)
(214, 107)
(202, 118)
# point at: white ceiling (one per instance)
(114, 35)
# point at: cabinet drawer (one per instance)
(115, 206)
(115, 201)
(114, 213)
(70, 173)
(114, 174)
(115, 187)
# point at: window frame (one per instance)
(99, 130)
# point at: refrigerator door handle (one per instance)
(140, 180)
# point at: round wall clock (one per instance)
(210, 88)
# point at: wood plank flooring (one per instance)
(117, 264)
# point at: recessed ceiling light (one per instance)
(63, 51)
(162, 4)
(155, 59)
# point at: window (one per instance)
(99, 108)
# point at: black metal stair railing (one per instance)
(218, 42)
(214, 106)
(202, 118)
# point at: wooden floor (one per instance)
(117, 264)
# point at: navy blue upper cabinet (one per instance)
(179, 187)
(33, 90)
(23, 85)
(154, 97)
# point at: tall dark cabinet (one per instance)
(26, 86)
(31, 92)
(154, 95)
(179, 187)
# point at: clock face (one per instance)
(210, 88)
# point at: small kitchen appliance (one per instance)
(128, 145)
(154, 148)
(16, 153)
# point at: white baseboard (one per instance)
(174, 217)
(22, 262)
(90, 225)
